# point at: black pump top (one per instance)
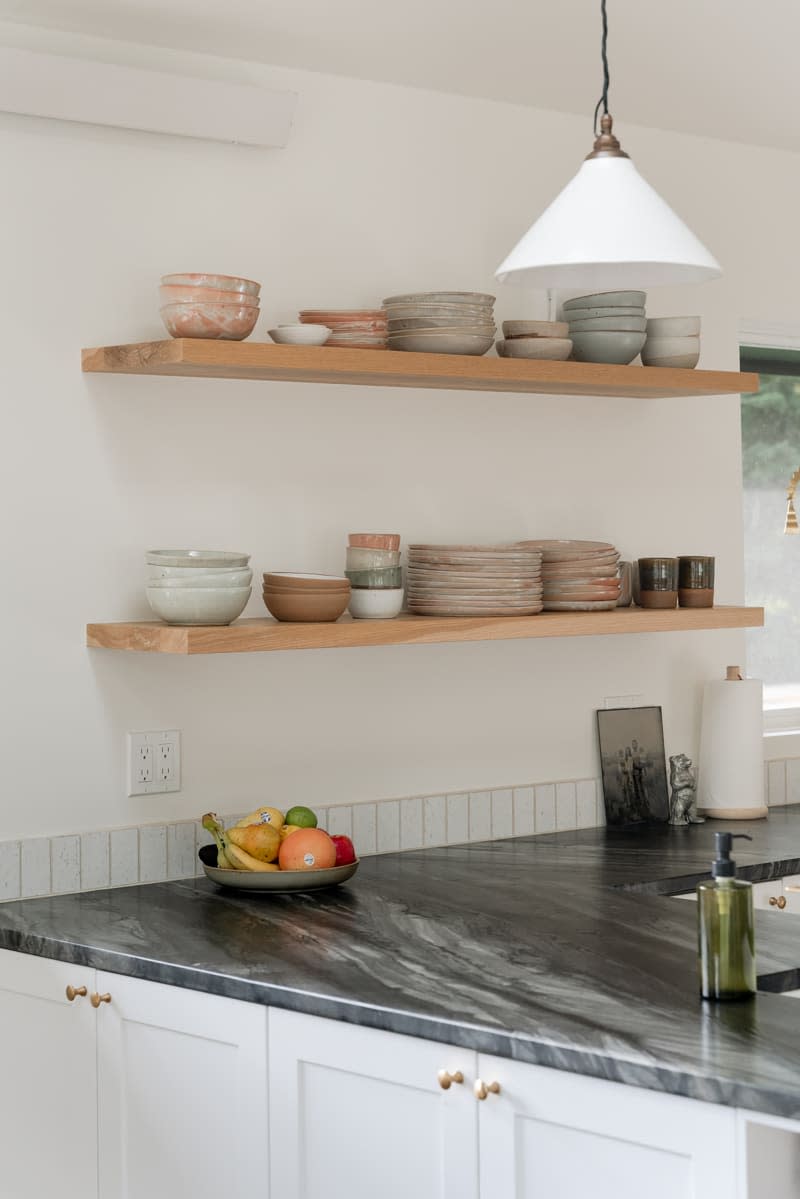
(724, 866)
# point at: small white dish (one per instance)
(300, 335)
(376, 603)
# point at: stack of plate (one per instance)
(609, 326)
(353, 328)
(474, 580)
(578, 576)
(441, 322)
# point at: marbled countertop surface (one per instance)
(563, 950)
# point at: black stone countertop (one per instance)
(563, 950)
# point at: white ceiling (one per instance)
(725, 68)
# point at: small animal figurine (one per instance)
(683, 797)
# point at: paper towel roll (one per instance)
(730, 776)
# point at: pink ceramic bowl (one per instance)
(223, 322)
(176, 294)
(223, 282)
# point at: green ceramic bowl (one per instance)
(614, 347)
(389, 576)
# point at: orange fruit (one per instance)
(307, 849)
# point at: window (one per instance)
(770, 455)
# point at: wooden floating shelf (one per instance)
(266, 635)
(197, 358)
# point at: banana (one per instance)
(212, 825)
(241, 860)
(261, 841)
(263, 815)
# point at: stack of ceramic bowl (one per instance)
(474, 580)
(607, 327)
(535, 339)
(355, 329)
(672, 341)
(305, 598)
(198, 587)
(219, 307)
(578, 576)
(441, 322)
(375, 574)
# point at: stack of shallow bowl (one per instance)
(578, 576)
(547, 340)
(672, 341)
(375, 574)
(350, 328)
(441, 322)
(474, 580)
(608, 326)
(198, 587)
(218, 307)
(305, 598)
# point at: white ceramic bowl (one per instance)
(682, 352)
(673, 326)
(613, 347)
(220, 574)
(233, 578)
(300, 335)
(379, 603)
(553, 349)
(196, 558)
(198, 605)
(583, 314)
(607, 299)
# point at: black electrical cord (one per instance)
(603, 101)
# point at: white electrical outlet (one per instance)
(154, 762)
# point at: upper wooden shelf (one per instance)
(262, 636)
(390, 368)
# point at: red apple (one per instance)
(345, 850)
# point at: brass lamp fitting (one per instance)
(791, 525)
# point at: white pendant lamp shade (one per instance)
(608, 229)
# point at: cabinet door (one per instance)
(182, 1093)
(48, 1100)
(360, 1113)
(548, 1133)
(764, 892)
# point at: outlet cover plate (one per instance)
(154, 762)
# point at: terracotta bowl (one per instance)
(177, 294)
(306, 606)
(218, 322)
(287, 581)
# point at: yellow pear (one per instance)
(286, 829)
(261, 841)
(263, 815)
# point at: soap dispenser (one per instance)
(725, 933)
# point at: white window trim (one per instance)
(781, 725)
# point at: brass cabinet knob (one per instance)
(74, 992)
(483, 1089)
(96, 999)
(777, 901)
(446, 1079)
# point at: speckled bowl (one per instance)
(217, 322)
(235, 283)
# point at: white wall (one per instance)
(381, 190)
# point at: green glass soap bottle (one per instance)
(726, 956)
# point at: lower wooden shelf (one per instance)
(266, 635)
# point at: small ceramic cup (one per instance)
(696, 582)
(658, 582)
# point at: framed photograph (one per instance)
(634, 766)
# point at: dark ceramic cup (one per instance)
(696, 582)
(658, 582)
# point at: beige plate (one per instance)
(276, 881)
(459, 610)
(569, 547)
(569, 572)
(579, 605)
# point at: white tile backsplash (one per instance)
(95, 871)
(155, 853)
(66, 864)
(411, 823)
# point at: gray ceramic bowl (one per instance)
(682, 352)
(233, 579)
(553, 349)
(198, 605)
(629, 324)
(613, 347)
(440, 343)
(213, 558)
(607, 299)
(673, 326)
(584, 314)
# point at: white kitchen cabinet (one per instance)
(549, 1134)
(182, 1085)
(48, 1098)
(361, 1113)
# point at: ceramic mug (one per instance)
(658, 582)
(696, 582)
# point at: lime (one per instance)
(301, 817)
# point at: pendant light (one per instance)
(608, 228)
